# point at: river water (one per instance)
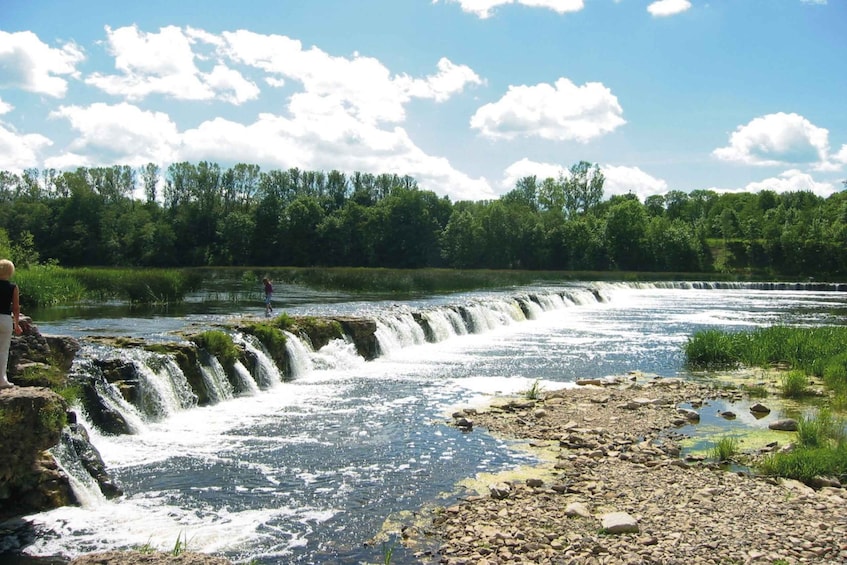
(309, 470)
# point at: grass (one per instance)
(725, 449)
(219, 344)
(794, 384)
(819, 352)
(821, 451)
(51, 285)
(534, 392)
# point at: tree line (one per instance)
(200, 214)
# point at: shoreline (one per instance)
(613, 489)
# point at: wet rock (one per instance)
(760, 408)
(691, 416)
(784, 425)
(500, 491)
(30, 479)
(148, 558)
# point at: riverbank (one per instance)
(611, 488)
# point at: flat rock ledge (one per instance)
(148, 558)
(617, 492)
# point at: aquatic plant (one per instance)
(794, 384)
(725, 449)
(48, 285)
(534, 391)
(821, 451)
(220, 345)
(712, 348)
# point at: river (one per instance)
(310, 469)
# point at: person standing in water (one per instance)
(10, 315)
(269, 291)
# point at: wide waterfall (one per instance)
(304, 454)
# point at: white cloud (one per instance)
(451, 78)
(624, 180)
(619, 179)
(5, 107)
(792, 181)
(562, 111)
(841, 156)
(776, 139)
(20, 151)
(30, 64)
(664, 8)
(360, 85)
(482, 8)
(816, 2)
(165, 63)
(120, 133)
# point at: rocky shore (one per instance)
(613, 489)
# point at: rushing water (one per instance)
(308, 470)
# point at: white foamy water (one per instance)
(308, 469)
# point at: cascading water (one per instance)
(162, 386)
(214, 376)
(305, 470)
(267, 373)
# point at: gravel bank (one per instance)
(614, 490)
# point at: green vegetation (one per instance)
(803, 353)
(50, 285)
(206, 215)
(181, 545)
(534, 391)
(270, 333)
(218, 344)
(821, 452)
(725, 449)
(811, 352)
(795, 384)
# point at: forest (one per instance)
(201, 214)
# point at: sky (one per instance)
(466, 96)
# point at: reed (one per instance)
(51, 285)
(534, 392)
(725, 449)
(821, 451)
(713, 348)
(794, 384)
(219, 344)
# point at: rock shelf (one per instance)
(615, 490)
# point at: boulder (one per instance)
(30, 479)
(784, 425)
(619, 523)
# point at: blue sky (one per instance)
(467, 96)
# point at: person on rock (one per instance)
(10, 314)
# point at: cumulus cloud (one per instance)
(619, 179)
(625, 180)
(792, 180)
(20, 151)
(528, 168)
(166, 63)
(120, 133)
(664, 8)
(562, 111)
(483, 8)
(30, 64)
(5, 107)
(776, 139)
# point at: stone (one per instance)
(148, 558)
(618, 523)
(689, 414)
(577, 510)
(784, 425)
(760, 408)
(500, 491)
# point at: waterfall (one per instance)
(439, 323)
(214, 376)
(397, 330)
(299, 356)
(84, 486)
(245, 379)
(267, 373)
(533, 309)
(162, 386)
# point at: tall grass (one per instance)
(51, 285)
(820, 352)
(821, 451)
